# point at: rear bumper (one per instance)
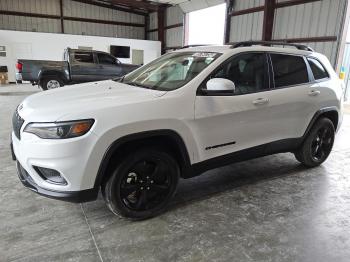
(69, 196)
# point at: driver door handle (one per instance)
(314, 93)
(260, 101)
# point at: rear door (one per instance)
(84, 67)
(108, 66)
(291, 99)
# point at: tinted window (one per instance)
(289, 70)
(317, 68)
(247, 71)
(84, 57)
(106, 59)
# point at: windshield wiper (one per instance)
(119, 79)
(138, 85)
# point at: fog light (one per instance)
(50, 175)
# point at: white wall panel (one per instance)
(246, 27)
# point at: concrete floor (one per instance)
(268, 209)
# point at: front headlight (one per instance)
(60, 130)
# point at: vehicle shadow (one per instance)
(234, 176)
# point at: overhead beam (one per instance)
(248, 11)
(294, 2)
(269, 16)
(316, 39)
(61, 17)
(80, 19)
(111, 6)
(227, 28)
(161, 27)
(138, 4)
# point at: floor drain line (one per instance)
(92, 235)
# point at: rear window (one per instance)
(289, 70)
(84, 57)
(317, 69)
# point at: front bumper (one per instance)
(69, 157)
(69, 196)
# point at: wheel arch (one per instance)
(165, 138)
(329, 112)
(49, 73)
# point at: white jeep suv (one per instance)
(186, 112)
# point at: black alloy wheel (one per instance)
(142, 184)
(322, 143)
(318, 144)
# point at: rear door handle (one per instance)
(260, 101)
(314, 93)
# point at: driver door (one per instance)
(233, 121)
(108, 66)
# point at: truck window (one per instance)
(106, 59)
(83, 57)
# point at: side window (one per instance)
(317, 69)
(289, 70)
(106, 59)
(84, 57)
(247, 71)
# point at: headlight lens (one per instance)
(60, 130)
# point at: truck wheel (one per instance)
(318, 144)
(142, 184)
(51, 83)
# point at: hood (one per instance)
(54, 104)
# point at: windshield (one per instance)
(170, 71)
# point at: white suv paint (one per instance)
(184, 113)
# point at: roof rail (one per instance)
(271, 43)
(188, 46)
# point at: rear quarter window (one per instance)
(318, 70)
(289, 70)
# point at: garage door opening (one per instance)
(206, 26)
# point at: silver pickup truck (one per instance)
(78, 66)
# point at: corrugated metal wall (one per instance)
(315, 19)
(153, 24)
(247, 26)
(173, 36)
(70, 9)
(11, 22)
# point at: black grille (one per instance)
(17, 123)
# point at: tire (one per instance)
(318, 144)
(51, 82)
(142, 184)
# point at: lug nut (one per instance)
(142, 188)
(152, 181)
(147, 188)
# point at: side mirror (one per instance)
(220, 85)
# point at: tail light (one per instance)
(19, 66)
